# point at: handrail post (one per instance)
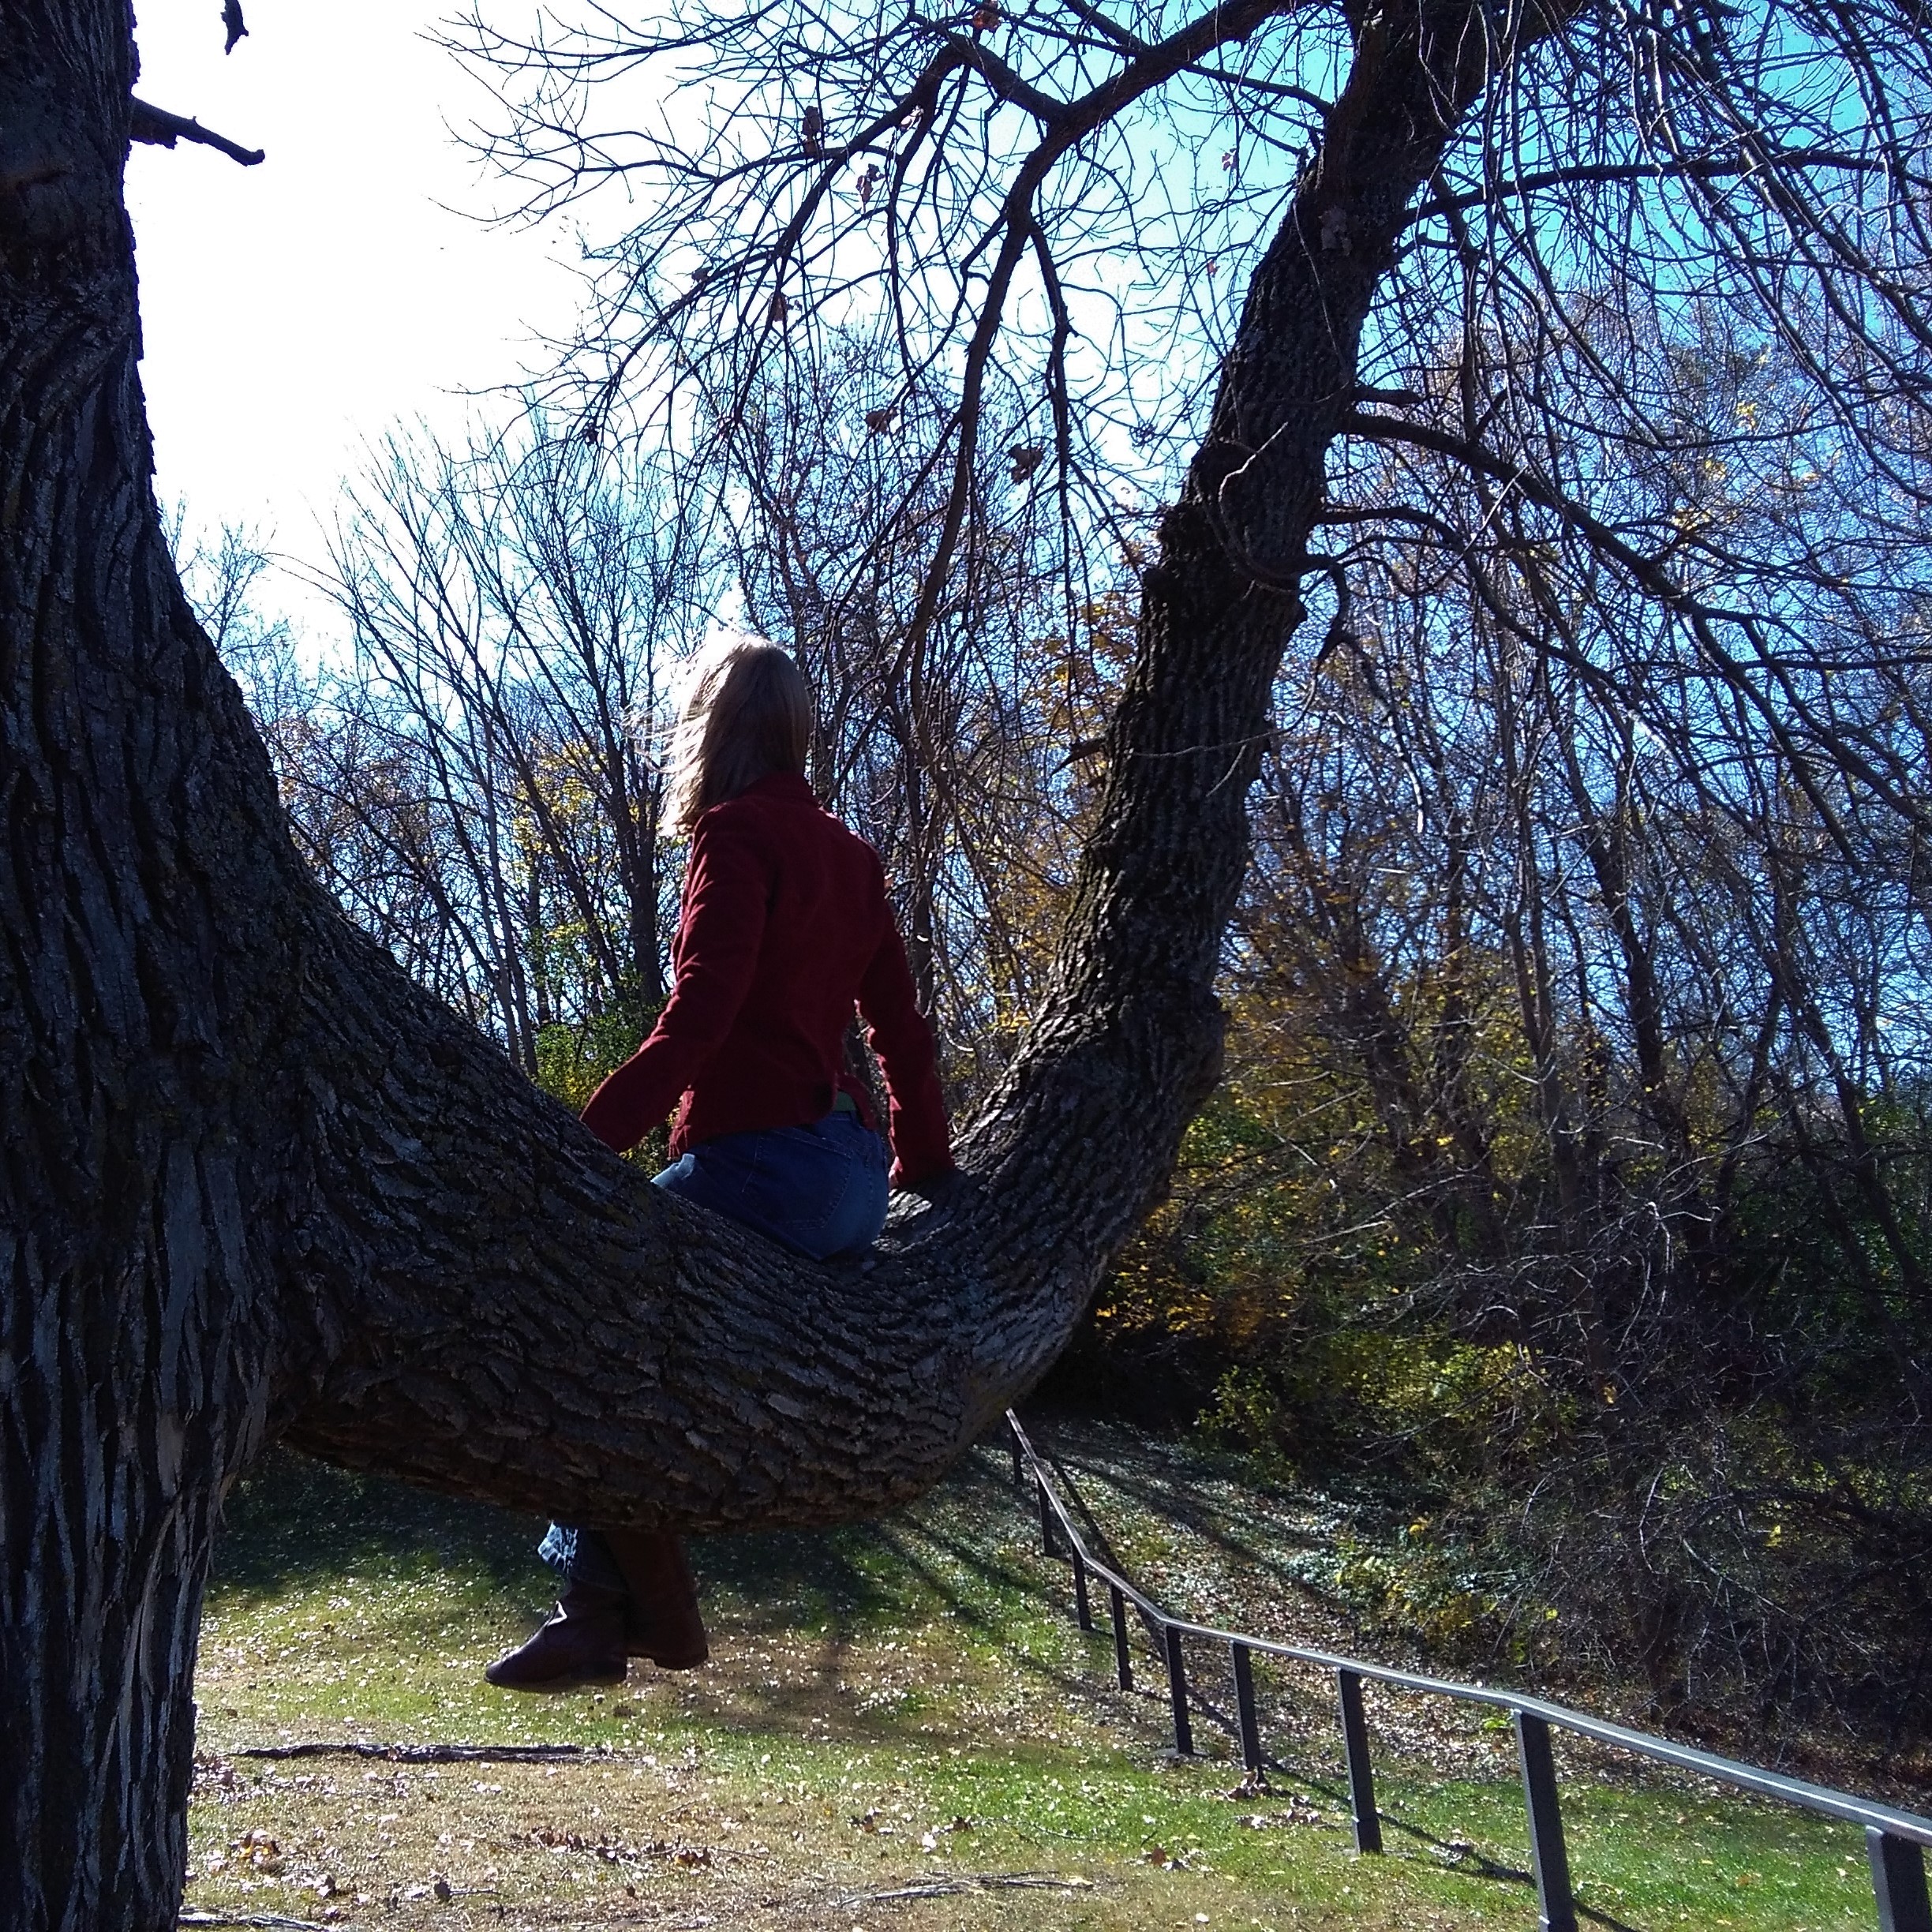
(1355, 1748)
(1082, 1606)
(1244, 1705)
(1177, 1690)
(1045, 1510)
(1123, 1662)
(1549, 1859)
(1019, 1475)
(1898, 1882)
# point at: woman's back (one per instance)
(785, 924)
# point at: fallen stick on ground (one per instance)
(969, 1882)
(272, 1920)
(420, 1753)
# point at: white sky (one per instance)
(293, 311)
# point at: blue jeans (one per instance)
(820, 1191)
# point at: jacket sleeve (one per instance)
(727, 893)
(904, 1042)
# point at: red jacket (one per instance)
(785, 924)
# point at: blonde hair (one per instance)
(746, 714)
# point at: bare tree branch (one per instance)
(161, 129)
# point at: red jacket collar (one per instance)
(793, 785)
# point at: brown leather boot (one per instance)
(582, 1644)
(661, 1621)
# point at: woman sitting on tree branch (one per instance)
(785, 927)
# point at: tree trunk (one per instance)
(258, 1183)
(148, 902)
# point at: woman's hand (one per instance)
(939, 1188)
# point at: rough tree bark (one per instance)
(257, 1185)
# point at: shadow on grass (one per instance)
(1166, 1485)
(293, 1524)
(297, 1528)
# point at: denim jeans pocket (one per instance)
(794, 1185)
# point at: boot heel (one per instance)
(662, 1620)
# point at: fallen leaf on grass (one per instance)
(215, 1776)
(1301, 1810)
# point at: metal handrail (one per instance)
(1894, 1838)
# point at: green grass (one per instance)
(902, 1704)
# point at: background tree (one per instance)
(513, 611)
(1573, 1169)
(951, 757)
(477, 784)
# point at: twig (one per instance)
(160, 128)
(969, 1882)
(418, 1753)
(273, 1920)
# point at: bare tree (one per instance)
(950, 758)
(514, 610)
(223, 575)
(1607, 1007)
(476, 785)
